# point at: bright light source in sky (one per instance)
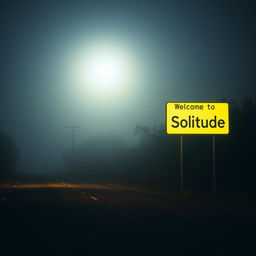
(104, 71)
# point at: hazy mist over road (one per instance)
(94, 161)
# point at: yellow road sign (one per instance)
(197, 118)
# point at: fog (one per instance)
(177, 52)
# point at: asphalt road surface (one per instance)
(95, 219)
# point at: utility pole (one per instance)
(74, 133)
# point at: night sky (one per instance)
(179, 50)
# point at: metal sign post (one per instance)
(181, 165)
(213, 167)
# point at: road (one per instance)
(104, 219)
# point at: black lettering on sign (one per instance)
(175, 117)
(196, 122)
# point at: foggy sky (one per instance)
(182, 50)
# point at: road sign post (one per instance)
(181, 165)
(213, 167)
(197, 118)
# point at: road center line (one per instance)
(94, 198)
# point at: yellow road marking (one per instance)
(94, 198)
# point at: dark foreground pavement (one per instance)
(68, 219)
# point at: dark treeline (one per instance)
(155, 161)
(8, 158)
